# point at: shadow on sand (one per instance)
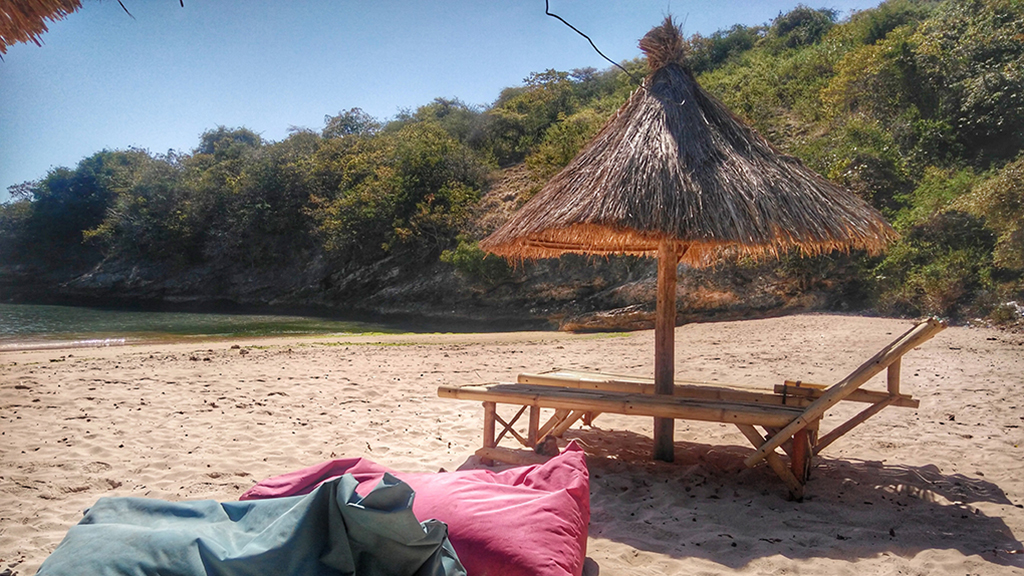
(708, 505)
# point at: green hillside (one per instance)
(916, 106)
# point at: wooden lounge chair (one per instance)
(790, 413)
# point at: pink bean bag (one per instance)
(528, 521)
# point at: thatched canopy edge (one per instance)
(598, 240)
(26, 21)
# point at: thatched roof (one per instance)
(25, 20)
(674, 163)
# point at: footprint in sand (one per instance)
(94, 467)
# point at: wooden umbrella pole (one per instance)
(664, 345)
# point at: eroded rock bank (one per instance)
(571, 293)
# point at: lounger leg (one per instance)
(490, 409)
(796, 487)
(557, 418)
(531, 432)
(800, 459)
(571, 419)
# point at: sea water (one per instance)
(31, 326)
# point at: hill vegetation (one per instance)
(917, 106)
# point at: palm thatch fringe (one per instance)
(25, 20)
(674, 163)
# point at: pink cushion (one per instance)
(530, 520)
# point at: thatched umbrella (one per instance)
(25, 20)
(675, 174)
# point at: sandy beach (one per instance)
(934, 490)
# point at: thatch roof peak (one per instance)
(664, 45)
(675, 165)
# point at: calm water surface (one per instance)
(27, 326)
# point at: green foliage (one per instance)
(475, 264)
(461, 121)
(267, 218)
(869, 26)
(935, 192)
(519, 119)
(1000, 201)
(915, 105)
(801, 26)
(352, 121)
(562, 141)
(774, 92)
(224, 143)
(943, 79)
(904, 105)
(66, 202)
(140, 221)
(865, 158)
(409, 189)
(940, 267)
(705, 53)
(356, 187)
(972, 54)
(14, 216)
(878, 80)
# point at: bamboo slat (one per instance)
(880, 361)
(629, 404)
(807, 393)
(490, 412)
(791, 393)
(639, 385)
(564, 425)
(508, 427)
(555, 420)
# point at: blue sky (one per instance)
(105, 80)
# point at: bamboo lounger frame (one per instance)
(790, 413)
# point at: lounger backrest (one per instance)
(880, 361)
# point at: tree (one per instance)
(143, 220)
(801, 26)
(224, 143)
(971, 55)
(1000, 201)
(350, 122)
(516, 122)
(67, 202)
(461, 121)
(706, 53)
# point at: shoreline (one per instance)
(179, 345)
(26, 327)
(937, 490)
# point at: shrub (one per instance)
(475, 264)
(938, 267)
(1000, 201)
(937, 190)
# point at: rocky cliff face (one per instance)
(571, 293)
